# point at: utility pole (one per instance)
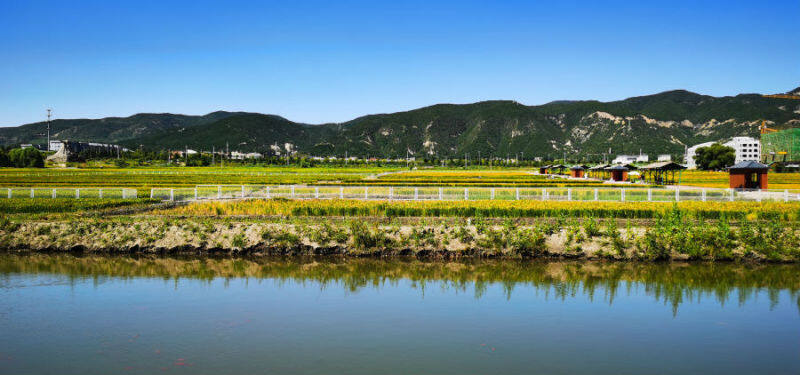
(48, 129)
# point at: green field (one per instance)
(145, 178)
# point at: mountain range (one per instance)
(655, 124)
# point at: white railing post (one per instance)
(316, 192)
(596, 194)
(730, 196)
(758, 195)
(785, 195)
(416, 193)
(366, 192)
(219, 192)
(569, 194)
(172, 194)
(649, 195)
(341, 192)
(9, 193)
(516, 192)
(703, 194)
(31, 192)
(391, 192)
(151, 192)
(441, 193)
(544, 194)
(124, 195)
(622, 194)
(292, 191)
(54, 193)
(269, 196)
(242, 191)
(77, 193)
(677, 195)
(466, 194)
(100, 193)
(195, 193)
(492, 195)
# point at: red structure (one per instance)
(618, 173)
(543, 169)
(576, 171)
(748, 175)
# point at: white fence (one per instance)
(221, 192)
(70, 192)
(616, 194)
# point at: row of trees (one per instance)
(21, 158)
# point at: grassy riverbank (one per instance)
(671, 235)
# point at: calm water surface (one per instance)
(103, 315)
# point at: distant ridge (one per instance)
(661, 123)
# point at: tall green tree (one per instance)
(714, 157)
(26, 158)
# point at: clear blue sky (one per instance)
(331, 61)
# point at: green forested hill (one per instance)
(660, 123)
(109, 129)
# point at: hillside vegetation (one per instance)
(660, 123)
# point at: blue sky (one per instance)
(331, 61)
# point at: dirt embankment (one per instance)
(359, 238)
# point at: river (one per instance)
(65, 314)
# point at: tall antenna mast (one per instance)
(48, 129)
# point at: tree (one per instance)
(714, 157)
(26, 158)
(4, 161)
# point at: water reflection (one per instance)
(671, 283)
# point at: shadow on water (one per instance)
(670, 283)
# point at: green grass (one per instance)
(66, 205)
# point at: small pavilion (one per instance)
(543, 169)
(661, 173)
(748, 175)
(598, 171)
(558, 167)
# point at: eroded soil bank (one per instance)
(590, 239)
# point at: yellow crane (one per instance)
(764, 129)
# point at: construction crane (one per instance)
(764, 129)
(783, 96)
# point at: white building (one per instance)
(629, 159)
(55, 145)
(747, 148)
(236, 155)
(665, 157)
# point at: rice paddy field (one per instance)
(145, 178)
(151, 177)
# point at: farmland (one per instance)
(150, 177)
(144, 178)
(511, 219)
